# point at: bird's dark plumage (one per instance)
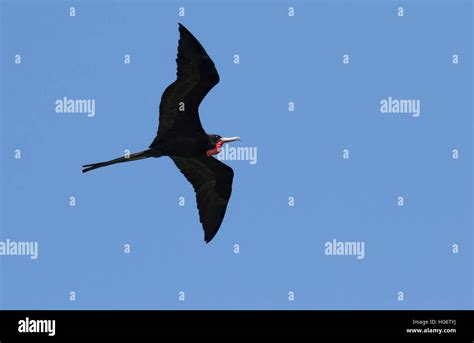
(196, 76)
(181, 136)
(212, 182)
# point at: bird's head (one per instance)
(217, 142)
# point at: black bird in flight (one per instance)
(181, 136)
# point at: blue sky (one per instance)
(300, 161)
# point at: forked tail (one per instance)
(133, 157)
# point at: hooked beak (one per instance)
(230, 139)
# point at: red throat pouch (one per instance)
(216, 150)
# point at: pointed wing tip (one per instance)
(209, 236)
(181, 28)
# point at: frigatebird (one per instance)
(181, 136)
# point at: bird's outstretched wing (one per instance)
(196, 76)
(212, 182)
